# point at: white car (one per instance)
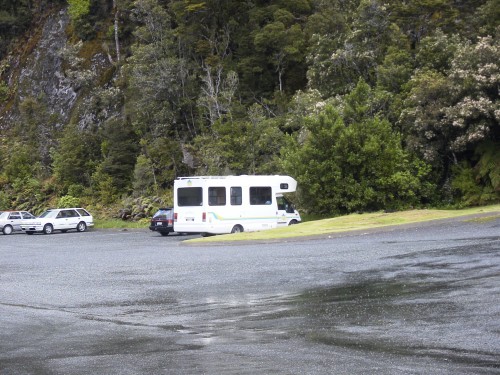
(10, 221)
(62, 219)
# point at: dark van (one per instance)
(163, 221)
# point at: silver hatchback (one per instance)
(10, 221)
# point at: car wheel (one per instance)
(48, 229)
(7, 229)
(164, 233)
(237, 229)
(293, 222)
(81, 227)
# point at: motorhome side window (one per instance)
(217, 196)
(190, 196)
(236, 196)
(260, 195)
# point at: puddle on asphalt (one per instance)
(417, 305)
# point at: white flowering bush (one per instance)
(449, 115)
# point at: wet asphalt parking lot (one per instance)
(416, 300)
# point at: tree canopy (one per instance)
(369, 104)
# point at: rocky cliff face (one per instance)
(42, 72)
(42, 76)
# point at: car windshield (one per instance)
(162, 214)
(3, 215)
(48, 213)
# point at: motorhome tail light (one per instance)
(175, 216)
(169, 221)
(204, 217)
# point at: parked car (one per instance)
(62, 219)
(163, 221)
(10, 221)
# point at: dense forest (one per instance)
(369, 104)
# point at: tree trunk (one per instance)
(117, 41)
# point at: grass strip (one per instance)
(352, 222)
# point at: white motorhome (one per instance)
(232, 204)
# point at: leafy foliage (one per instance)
(486, 171)
(352, 161)
(369, 104)
(68, 201)
(78, 8)
(119, 149)
(449, 114)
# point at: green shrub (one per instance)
(469, 187)
(76, 190)
(78, 8)
(68, 201)
(4, 91)
(4, 200)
